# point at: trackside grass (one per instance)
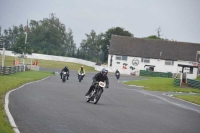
(194, 98)
(50, 64)
(166, 85)
(9, 82)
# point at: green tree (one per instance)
(91, 46)
(20, 47)
(49, 36)
(70, 46)
(153, 37)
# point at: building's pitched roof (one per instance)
(152, 48)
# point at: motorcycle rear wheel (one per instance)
(63, 79)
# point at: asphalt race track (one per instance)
(50, 106)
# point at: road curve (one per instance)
(50, 106)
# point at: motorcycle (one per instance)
(80, 76)
(64, 76)
(117, 76)
(95, 94)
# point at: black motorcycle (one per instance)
(64, 76)
(117, 75)
(95, 94)
(80, 76)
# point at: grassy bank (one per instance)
(166, 85)
(49, 64)
(9, 82)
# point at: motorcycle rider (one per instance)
(65, 69)
(117, 71)
(101, 76)
(82, 70)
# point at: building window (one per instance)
(118, 57)
(145, 60)
(124, 58)
(121, 58)
(167, 62)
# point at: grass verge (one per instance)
(50, 64)
(193, 99)
(9, 82)
(165, 85)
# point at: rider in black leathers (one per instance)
(65, 69)
(101, 76)
(117, 71)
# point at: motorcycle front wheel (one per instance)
(97, 97)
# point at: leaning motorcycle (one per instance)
(117, 76)
(80, 76)
(64, 76)
(95, 94)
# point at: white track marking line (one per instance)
(146, 93)
(10, 118)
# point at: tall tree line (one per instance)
(49, 36)
(96, 47)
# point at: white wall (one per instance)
(159, 65)
(64, 59)
(55, 58)
(192, 76)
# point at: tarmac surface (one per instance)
(51, 106)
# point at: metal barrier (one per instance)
(7, 70)
(155, 74)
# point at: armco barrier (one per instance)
(155, 74)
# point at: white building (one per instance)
(150, 54)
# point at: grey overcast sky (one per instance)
(178, 19)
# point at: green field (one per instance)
(166, 85)
(49, 64)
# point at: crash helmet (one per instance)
(104, 72)
(66, 67)
(82, 67)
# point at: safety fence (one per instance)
(7, 70)
(155, 74)
(177, 81)
(193, 83)
(190, 83)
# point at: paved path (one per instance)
(50, 106)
